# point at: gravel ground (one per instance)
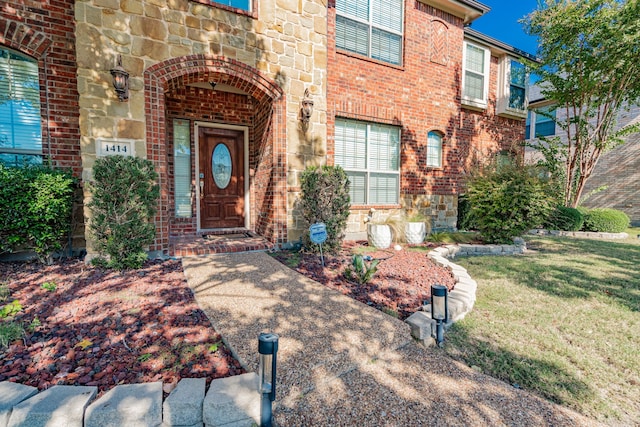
(343, 363)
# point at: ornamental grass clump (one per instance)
(123, 206)
(361, 271)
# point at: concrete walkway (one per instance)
(342, 363)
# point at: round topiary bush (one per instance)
(565, 219)
(606, 220)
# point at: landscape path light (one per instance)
(268, 349)
(439, 310)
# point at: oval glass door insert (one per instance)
(221, 166)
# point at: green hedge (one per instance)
(508, 200)
(606, 220)
(565, 219)
(36, 203)
(465, 218)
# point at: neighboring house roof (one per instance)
(468, 10)
(497, 45)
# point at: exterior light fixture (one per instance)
(306, 107)
(268, 348)
(120, 80)
(213, 85)
(439, 310)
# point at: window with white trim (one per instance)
(370, 155)
(475, 76)
(371, 27)
(20, 126)
(512, 89)
(434, 150)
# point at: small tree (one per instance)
(325, 198)
(588, 52)
(508, 200)
(123, 205)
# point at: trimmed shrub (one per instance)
(325, 198)
(123, 206)
(606, 220)
(507, 201)
(565, 219)
(35, 209)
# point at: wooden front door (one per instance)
(221, 175)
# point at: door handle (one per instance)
(202, 188)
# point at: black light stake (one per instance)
(268, 348)
(439, 310)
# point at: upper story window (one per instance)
(370, 155)
(237, 4)
(20, 128)
(371, 27)
(512, 88)
(541, 122)
(434, 150)
(475, 76)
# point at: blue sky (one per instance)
(502, 22)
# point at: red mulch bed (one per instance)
(104, 328)
(101, 327)
(400, 286)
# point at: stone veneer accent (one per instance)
(441, 209)
(273, 54)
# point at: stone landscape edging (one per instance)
(229, 401)
(582, 234)
(463, 295)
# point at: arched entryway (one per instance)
(201, 103)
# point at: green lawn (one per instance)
(562, 321)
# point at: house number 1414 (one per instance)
(112, 147)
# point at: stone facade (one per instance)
(170, 48)
(421, 95)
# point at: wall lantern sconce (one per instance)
(268, 348)
(439, 310)
(120, 80)
(213, 85)
(306, 107)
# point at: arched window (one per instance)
(434, 150)
(20, 129)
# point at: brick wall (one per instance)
(44, 30)
(420, 96)
(619, 171)
(615, 181)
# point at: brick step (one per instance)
(229, 401)
(217, 243)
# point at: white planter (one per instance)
(415, 232)
(379, 235)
